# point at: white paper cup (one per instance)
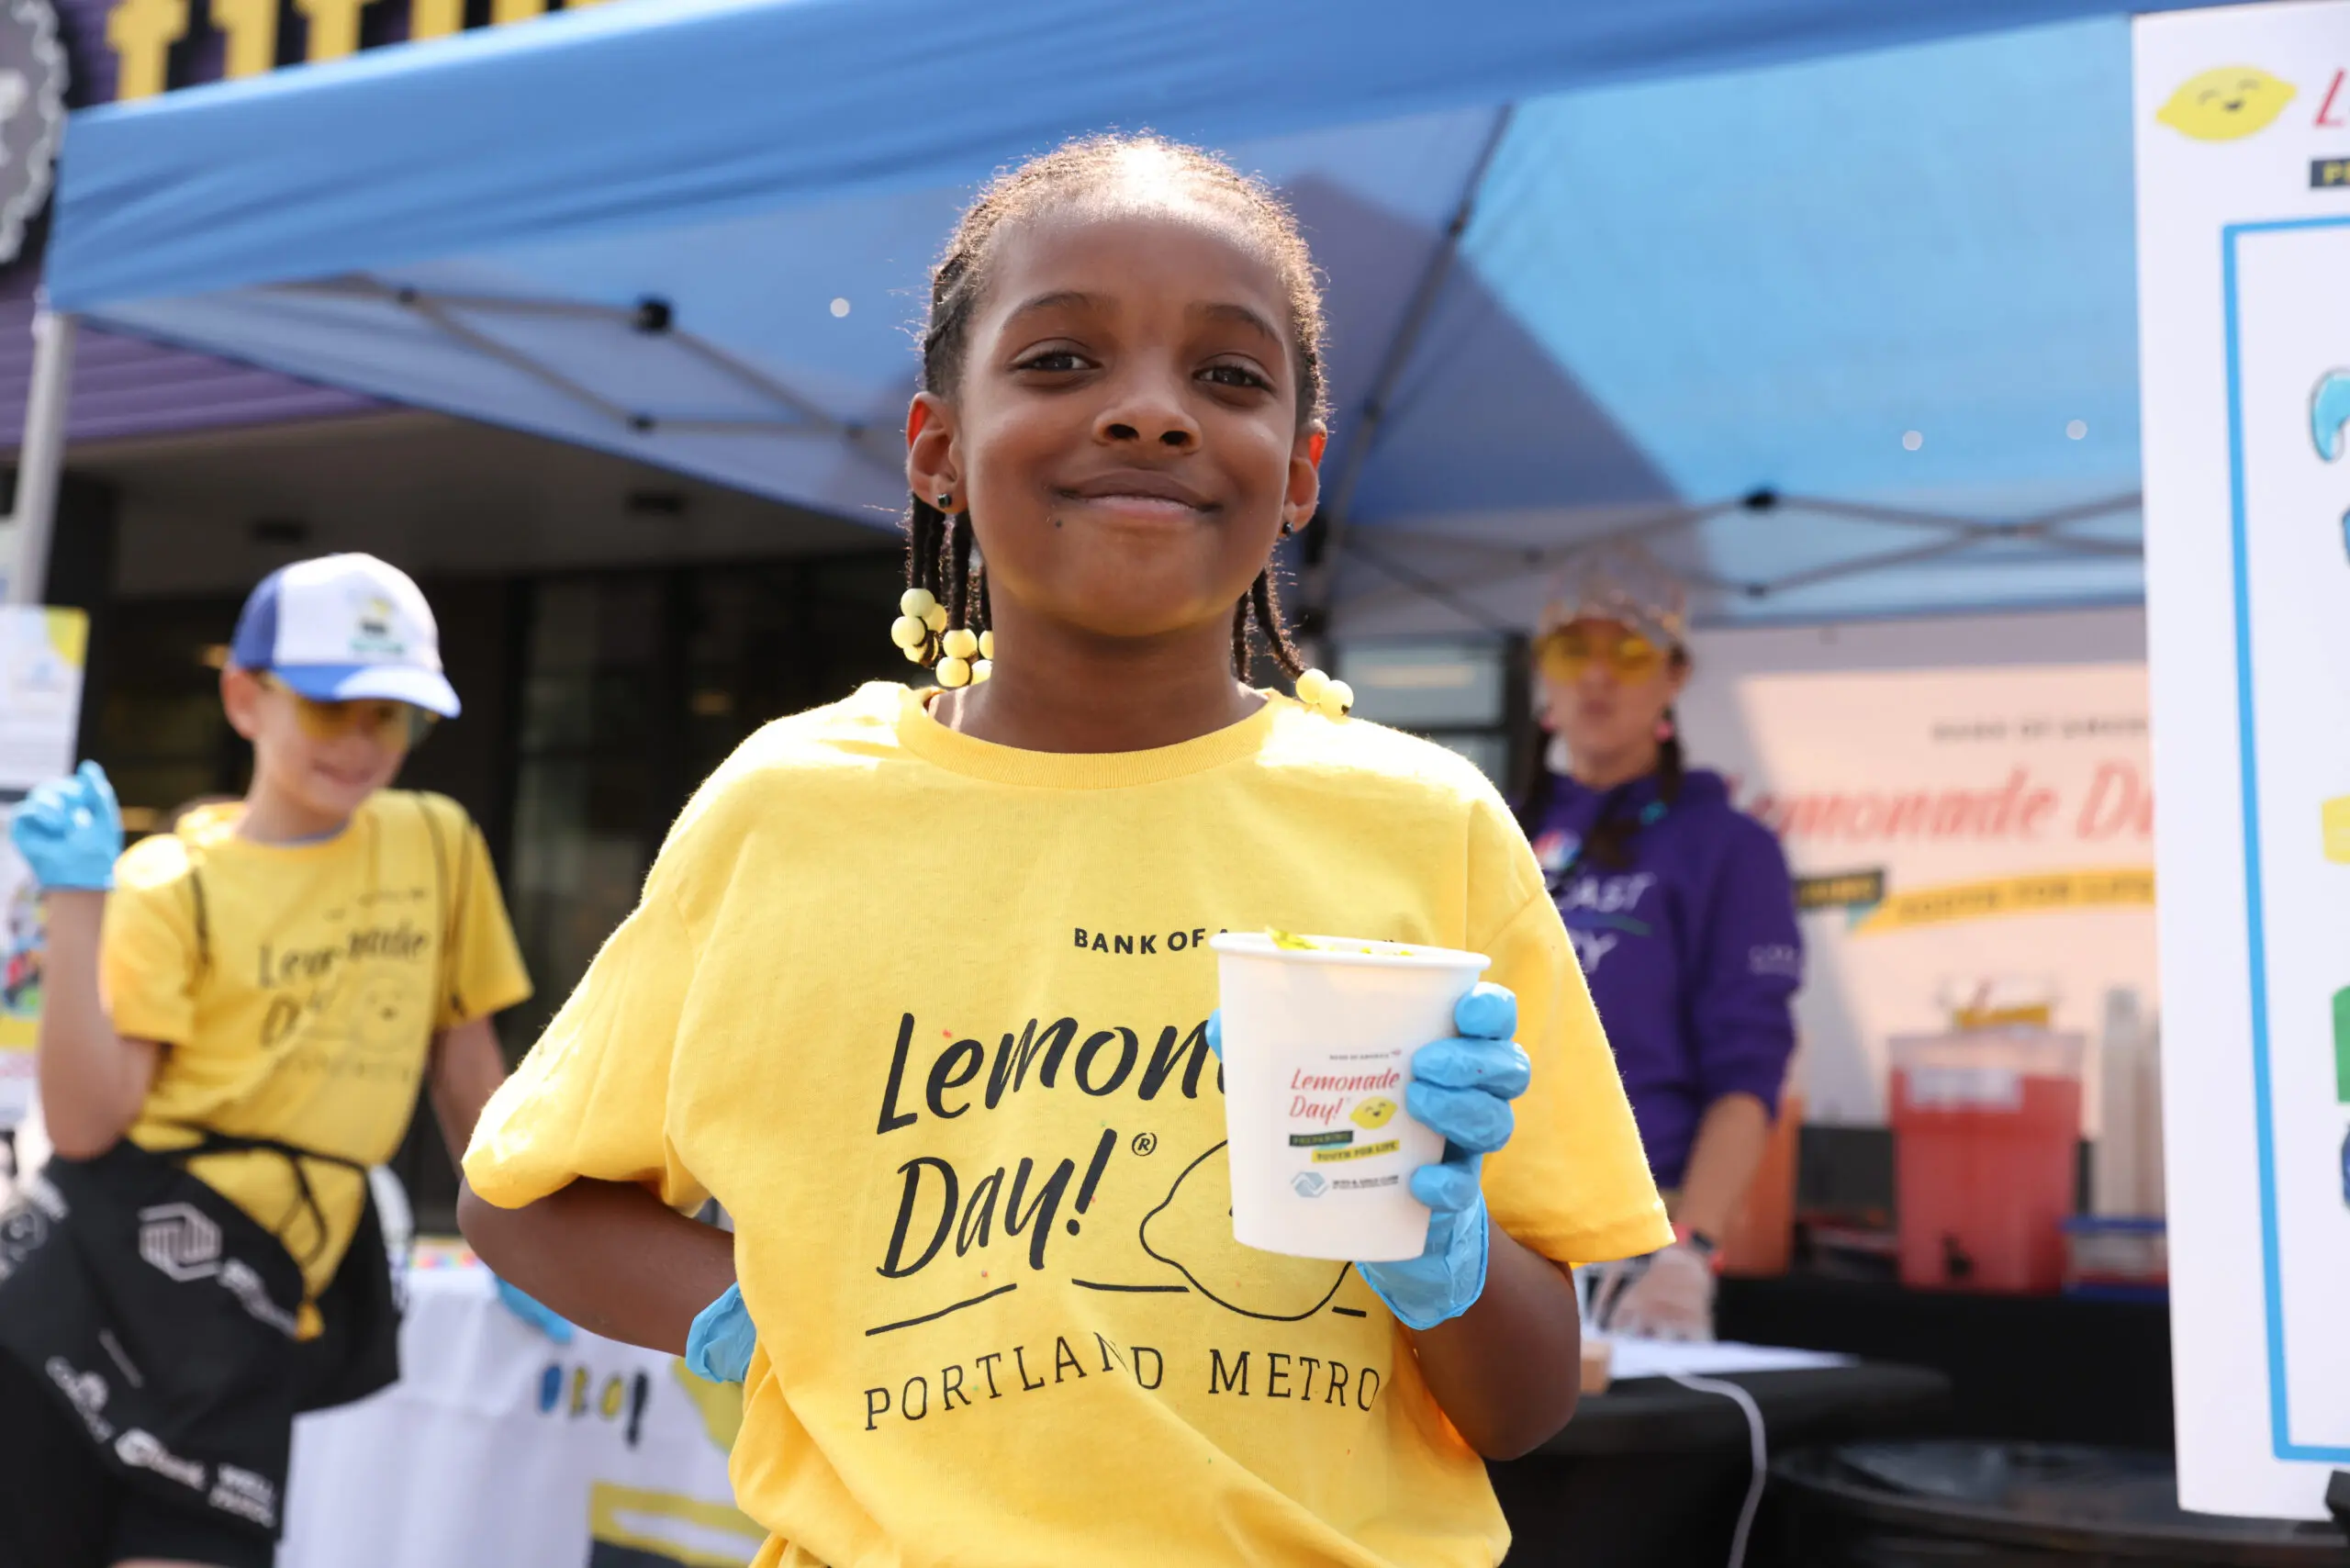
(1317, 1052)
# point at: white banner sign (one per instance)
(40, 701)
(497, 1448)
(2244, 254)
(1961, 838)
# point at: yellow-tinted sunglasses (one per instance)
(380, 719)
(1566, 653)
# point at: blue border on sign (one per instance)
(2280, 1423)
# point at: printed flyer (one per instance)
(42, 653)
(2243, 241)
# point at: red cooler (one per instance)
(1986, 1128)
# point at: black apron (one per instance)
(162, 1317)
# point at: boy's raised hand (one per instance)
(1461, 1087)
(70, 831)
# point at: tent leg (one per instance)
(1339, 490)
(43, 457)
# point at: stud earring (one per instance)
(947, 501)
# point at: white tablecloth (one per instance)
(498, 1449)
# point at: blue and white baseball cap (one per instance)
(343, 628)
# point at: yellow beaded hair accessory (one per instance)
(958, 656)
(1331, 699)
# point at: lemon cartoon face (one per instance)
(2226, 105)
(1374, 1112)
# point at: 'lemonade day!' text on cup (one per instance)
(1318, 1041)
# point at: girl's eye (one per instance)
(1054, 360)
(1236, 376)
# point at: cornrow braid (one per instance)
(939, 546)
(1608, 846)
(957, 597)
(1261, 612)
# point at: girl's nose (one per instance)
(1148, 413)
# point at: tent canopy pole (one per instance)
(42, 457)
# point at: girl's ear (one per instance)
(1304, 491)
(930, 446)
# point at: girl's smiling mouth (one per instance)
(1141, 495)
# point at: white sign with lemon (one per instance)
(2243, 247)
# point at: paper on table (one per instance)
(1662, 1357)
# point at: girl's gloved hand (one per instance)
(545, 1319)
(718, 1347)
(70, 832)
(1460, 1088)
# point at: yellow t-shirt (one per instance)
(927, 1015)
(297, 989)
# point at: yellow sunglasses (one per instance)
(1566, 652)
(381, 720)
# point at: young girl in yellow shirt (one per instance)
(918, 988)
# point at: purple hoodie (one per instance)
(1691, 951)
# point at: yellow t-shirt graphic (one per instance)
(927, 1015)
(298, 988)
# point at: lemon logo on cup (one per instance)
(2226, 105)
(1373, 1112)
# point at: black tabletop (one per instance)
(1657, 1416)
(2049, 1369)
(1651, 1474)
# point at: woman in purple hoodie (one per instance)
(1681, 910)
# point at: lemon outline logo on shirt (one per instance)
(2226, 104)
(379, 1018)
(1373, 1113)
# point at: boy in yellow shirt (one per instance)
(239, 1016)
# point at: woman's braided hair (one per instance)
(938, 546)
(1608, 846)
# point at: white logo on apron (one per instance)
(178, 1239)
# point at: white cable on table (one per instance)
(1757, 1445)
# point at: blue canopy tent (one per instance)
(1831, 300)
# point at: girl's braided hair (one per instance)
(938, 546)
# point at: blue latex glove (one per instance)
(70, 831)
(543, 1320)
(1462, 1088)
(718, 1347)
